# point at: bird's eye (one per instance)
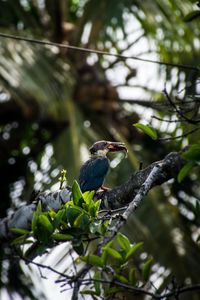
(92, 151)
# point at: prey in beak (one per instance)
(116, 146)
(94, 170)
(101, 148)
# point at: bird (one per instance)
(95, 169)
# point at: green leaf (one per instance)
(72, 213)
(150, 131)
(82, 221)
(79, 249)
(45, 224)
(36, 214)
(147, 269)
(197, 209)
(78, 220)
(58, 218)
(104, 227)
(89, 205)
(114, 253)
(92, 211)
(19, 231)
(97, 284)
(77, 194)
(121, 278)
(88, 292)
(192, 15)
(97, 206)
(34, 221)
(43, 229)
(39, 207)
(52, 213)
(93, 260)
(21, 240)
(123, 242)
(85, 222)
(133, 250)
(35, 250)
(104, 257)
(108, 245)
(185, 171)
(132, 276)
(62, 237)
(193, 153)
(88, 197)
(114, 290)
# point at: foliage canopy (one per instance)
(54, 103)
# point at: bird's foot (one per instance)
(104, 189)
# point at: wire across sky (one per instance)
(96, 51)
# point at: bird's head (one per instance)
(101, 148)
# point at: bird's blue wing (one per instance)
(92, 173)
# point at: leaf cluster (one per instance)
(77, 221)
(192, 157)
(117, 262)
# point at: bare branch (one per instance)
(145, 187)
(71, 280)
(178, 111)
(159, 106)
(42, 266)
(179, 136)
(168, 120)
(122, 195)
(139, 290)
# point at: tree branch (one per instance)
(122, 195)
(112, 199)
(71, 280)
(178, 111)
(145, 187)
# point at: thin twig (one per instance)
(77, 279)
(168, 121)
(82, 49)
(188, 86)
(175, 291)
(28, 261)
(179, 136)
(178, 111)
(111, 212)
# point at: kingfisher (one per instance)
(94, 170)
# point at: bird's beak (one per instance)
(116, 146)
